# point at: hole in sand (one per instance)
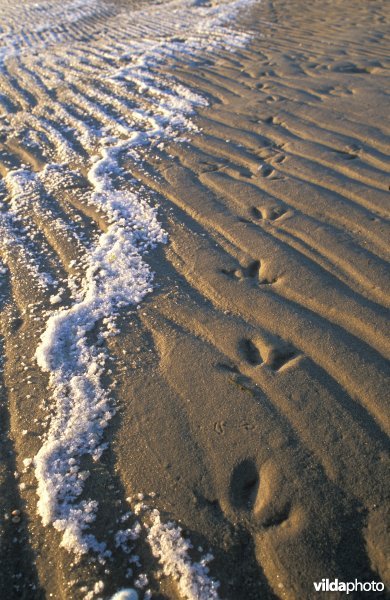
(244, 484)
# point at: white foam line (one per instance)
(16, 228)
(116, 275)
(171, 549)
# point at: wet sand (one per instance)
(251, 385)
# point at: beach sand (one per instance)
(252, 384)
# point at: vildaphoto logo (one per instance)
(326, 585)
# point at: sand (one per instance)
(251, 385)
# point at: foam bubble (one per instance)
(125, 594)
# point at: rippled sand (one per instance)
(246, 396)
